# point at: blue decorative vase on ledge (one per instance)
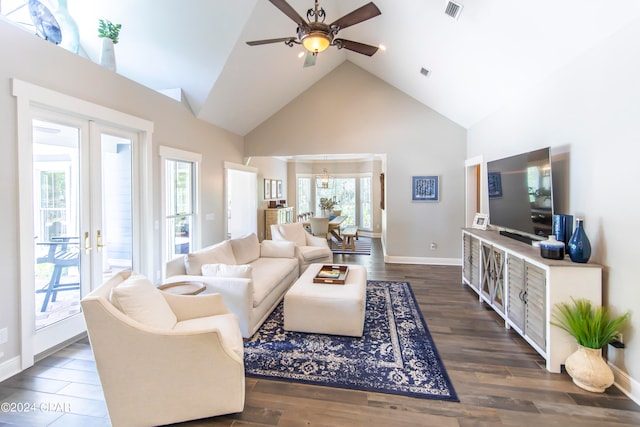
(579, 245)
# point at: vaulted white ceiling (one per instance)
(495, 50)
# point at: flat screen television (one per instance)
(521, 195)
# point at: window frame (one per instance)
(336, 177)
(177, 155)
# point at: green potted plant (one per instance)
(109, 33)
(327, 204)
(592, 327)
(109, 30)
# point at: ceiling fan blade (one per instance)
(267, 41)
(309, 60)
(289, 11)
(363, 13)
(362, 48)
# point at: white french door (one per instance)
(83, 218)
(81, 168)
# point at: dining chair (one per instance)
(320, 226)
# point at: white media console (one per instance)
(523, 288)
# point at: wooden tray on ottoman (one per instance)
(332, 274)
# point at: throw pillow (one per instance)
(226, 270)
(220, 253)
(277, 249)
(246, 248)
(139, 299)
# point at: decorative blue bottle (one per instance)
(579, 245)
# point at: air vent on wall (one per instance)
(453, 9)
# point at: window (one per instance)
(366, 213)
(180, 182)
(353, 193)
(53, 207)
(303, 195)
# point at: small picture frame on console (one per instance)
(480, 221)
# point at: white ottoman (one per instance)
(324, 308)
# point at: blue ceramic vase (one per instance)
(579, 245)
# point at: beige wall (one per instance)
(29, 58)
(589, 112)
(352, 111)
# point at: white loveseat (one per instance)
(252, 277)
(309, 249)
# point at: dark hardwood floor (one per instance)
(500, 380)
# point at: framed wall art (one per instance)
(425, 188)
(274, 188)
(267, 189)
(381, 191)
(278, 189)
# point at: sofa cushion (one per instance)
(139, 299)
(227, 270)
(312, 253)
(277, 249)
(267, 275)
(227, 324)
(220, 253)
(245, 249)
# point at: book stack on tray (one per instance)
(332, 274)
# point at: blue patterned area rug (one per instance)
(395, 355)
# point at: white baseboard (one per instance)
(626, 384)
(422, 260)
(9, 368)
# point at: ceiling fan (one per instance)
(316, 36)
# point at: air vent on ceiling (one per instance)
(453, 9)
(424, 72)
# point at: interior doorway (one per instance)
(473, 189)
(241, 199)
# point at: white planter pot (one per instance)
(589, 370)
(108, 54)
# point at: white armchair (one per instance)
(170, 358)
(309, 249)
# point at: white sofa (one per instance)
(163, 358)
(309, 249)
(252, 277)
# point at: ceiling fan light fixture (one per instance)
(316, 41)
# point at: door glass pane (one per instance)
(116, 234)
(56, 221)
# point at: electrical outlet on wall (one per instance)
(4, 335)
(434, 246)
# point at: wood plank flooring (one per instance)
(499, 379)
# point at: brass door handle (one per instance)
(87, 243)
(99, 244)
